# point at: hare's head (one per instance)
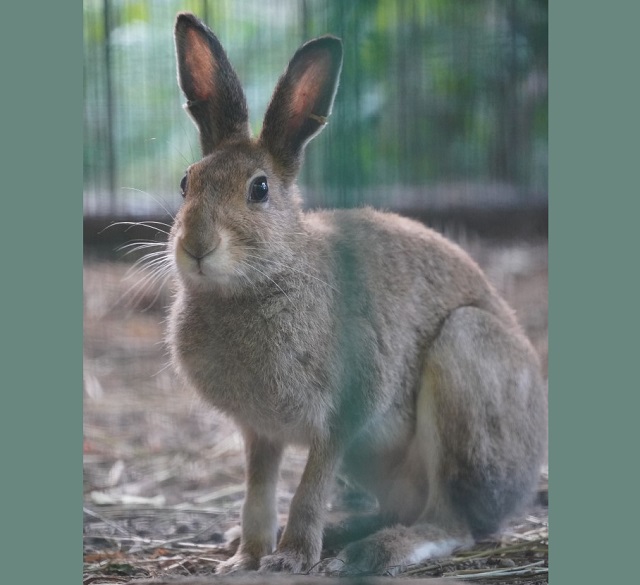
(241, 210)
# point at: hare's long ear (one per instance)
(216, 101)
(302, 101)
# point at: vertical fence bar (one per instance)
(306, 35)
(111, 159)
(513, 162)
(205, 12)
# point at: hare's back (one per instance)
(396, 250)
(405, 269)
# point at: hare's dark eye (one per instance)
(259, 190)
(183, 186)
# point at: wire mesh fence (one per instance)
(441, 104)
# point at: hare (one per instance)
(363, 335)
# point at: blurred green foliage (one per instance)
(433, 92)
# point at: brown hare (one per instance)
(363, 335)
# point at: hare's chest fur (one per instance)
(255, 363)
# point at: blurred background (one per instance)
(442, 104)
(441, 114)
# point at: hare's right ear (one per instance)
(302, 101)
(216, 101)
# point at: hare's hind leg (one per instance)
(482, 413)
(481, 428)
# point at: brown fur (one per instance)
(364, 335)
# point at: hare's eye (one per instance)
(259, 190)
(183, 186)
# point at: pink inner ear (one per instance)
(307, 89)
(201, 66)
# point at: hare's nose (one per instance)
(198, 250)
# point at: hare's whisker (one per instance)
(156, 198)
(160, 287)
(146, 262)
(131, 224)
(269, 278)
(288, 267)
(162, 369)
(138, 249)
(184, 158)
(145, 266)
(184, 129)
(136, 245)
(142, 286)
(241, 274)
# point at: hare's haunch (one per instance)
(364, 335)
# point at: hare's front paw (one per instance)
(286, 561)
(239, 562)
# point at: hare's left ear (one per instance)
(216, 101)
(302, 101)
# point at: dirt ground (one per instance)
(163, 473)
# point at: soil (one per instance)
(163, 472)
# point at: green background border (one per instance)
(41, 284)
(594, 292)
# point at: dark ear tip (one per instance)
(335, 43)
(186, 20)
(331, 39)
(326, 42)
